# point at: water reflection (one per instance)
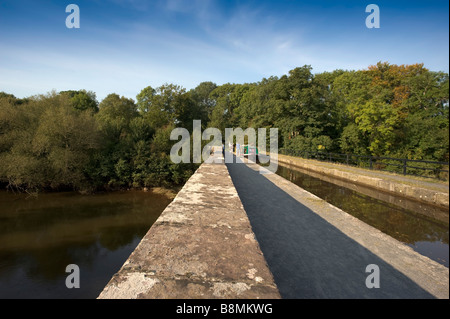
(422, 227)
(40, 237)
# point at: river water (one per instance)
(424, 228)
(40, 236)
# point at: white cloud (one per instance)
(241, 49)
(244, 46)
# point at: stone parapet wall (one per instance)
(202, 246)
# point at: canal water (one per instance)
(40, 237)
(424, 228)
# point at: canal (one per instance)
(40, 236)
(422, 227)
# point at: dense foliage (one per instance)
(69, 140)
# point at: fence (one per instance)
(430, 169)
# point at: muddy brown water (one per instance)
(40, 237)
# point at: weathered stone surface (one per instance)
(201, 252)
(140, 286)
(202, 246)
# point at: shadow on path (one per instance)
(309, 257)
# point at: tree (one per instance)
(118, 124)
(20, 167)
(82, 100)
(169, 104)
(46, 143)
(227, 99)
(426, 126)
(66, 139)
(202, 97)
(144, 99)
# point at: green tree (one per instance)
(46, 143)
(66, 139)
(118, 125)
(18, 123)
(202, 97)
(82, 100)
(169, 104)
(227, 99)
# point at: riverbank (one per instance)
(169, 192)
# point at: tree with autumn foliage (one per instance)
(396, 111)
(69, 140)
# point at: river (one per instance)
(40, 236)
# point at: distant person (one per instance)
(238, 149)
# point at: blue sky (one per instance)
(123, 46)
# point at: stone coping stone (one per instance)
(201, 247)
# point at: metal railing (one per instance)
(422, 168)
